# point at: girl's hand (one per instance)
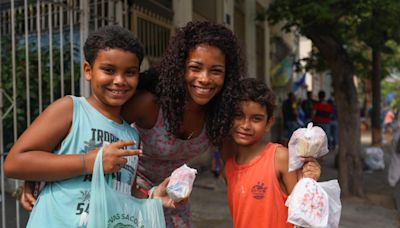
(161, 193)
(311, 168)
(114, 156)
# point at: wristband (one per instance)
(82, 156)
(151, 192)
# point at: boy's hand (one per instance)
(114, 156)
(27, 200)
(311, 168)
(161, 193)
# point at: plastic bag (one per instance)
(373, 158)
(308, 205)
(315, 204)
(110, 208)
(306, 142)
(181, 183)
(332, 188)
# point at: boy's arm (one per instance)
(287, 180)
(31, 157)
(46, 133)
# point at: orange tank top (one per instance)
(254, 195)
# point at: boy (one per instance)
(61, 145)
(257, 176)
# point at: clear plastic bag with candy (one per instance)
(181, 183)
(314, 204)
(306, 142)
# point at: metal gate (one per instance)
(41, 61)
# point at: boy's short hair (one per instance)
(251, 89)
(113, 36)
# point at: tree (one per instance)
(379, 24)
(336, 27)
(329, 24)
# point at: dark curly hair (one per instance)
(251, 89)
(171, 89)
(112, 36)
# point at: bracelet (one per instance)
(142, 190)
(151, 192)
(82, 156)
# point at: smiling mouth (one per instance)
(243, 135)
(202, 90)
(117, 92)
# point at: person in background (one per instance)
(290, 115)
(322, 113)
(333, 129)
(307, 106)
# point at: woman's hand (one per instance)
(311, 168)
(161, 193)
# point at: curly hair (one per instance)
(112, 36)
(251, 89)
(171, 89)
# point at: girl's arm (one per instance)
(287, 180)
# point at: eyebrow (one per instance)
(113, 65)
(200, 63)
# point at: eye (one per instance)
(238, 115)
(217, 72)
(194, 68)
(132, 73)
(257, 119)
(108, 70)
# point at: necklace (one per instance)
(190, 135)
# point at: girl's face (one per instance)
(204, 73)
(113, 76)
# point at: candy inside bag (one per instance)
(306, 142)
(315, 204)
(181, 183)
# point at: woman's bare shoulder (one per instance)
(141, 109)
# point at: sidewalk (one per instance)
(210, 206)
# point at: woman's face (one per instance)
(204, 73)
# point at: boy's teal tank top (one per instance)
(65, 203)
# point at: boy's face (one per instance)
(113, 76)
(250, 123)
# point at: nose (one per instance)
(245, 124)
(204, 77)
(119, 79)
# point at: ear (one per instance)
(87, 71)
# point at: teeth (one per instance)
(202, 90)
(117, 91)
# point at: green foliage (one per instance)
(20, 72)
(358, 25)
